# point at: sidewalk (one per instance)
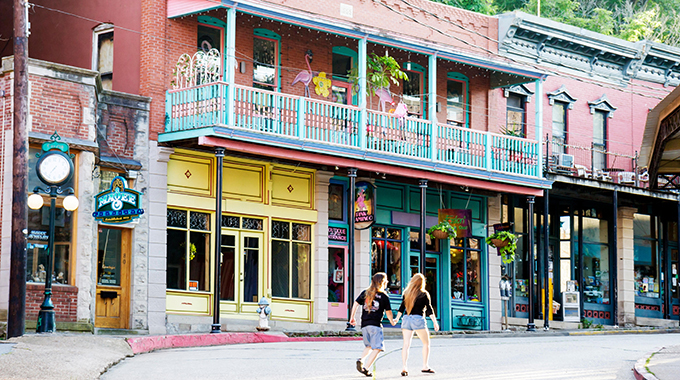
(65, 355)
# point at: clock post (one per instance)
(54, 168)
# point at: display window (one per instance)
(291, 263)
(386, 253)
(595, 280)
(466, 270)
(646, 266)
(188, 245)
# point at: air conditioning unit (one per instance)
(566, 160)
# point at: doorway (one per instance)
(431, 278)
(241, 268)
(113, 278)
(337, 289)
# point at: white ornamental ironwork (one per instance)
(201, 68)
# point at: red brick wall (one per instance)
(117, 132)
(154, 70)
(57, 105)
(64, 298)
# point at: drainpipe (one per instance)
(219, 155)
(614, 290)
(352, 174)
(423, 205)
(530, 200)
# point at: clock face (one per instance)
(54, 168)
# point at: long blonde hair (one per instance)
(378, 284)
(414, 288)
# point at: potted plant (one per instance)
(380, 72)
(442, 230)
(506, 243)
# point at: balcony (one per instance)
(338, 129)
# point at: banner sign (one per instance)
(364, 205)
(460, 219)
(337, 234)
(118, 204)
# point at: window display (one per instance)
(36, 246)
(386, 256)
(188, 242)
(646, 266)
(291, 259)
(465, 270)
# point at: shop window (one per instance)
(188, 255)
(599, 139)
(102, 57)
(466, 270)
(646, 266)
(386, 256)
(456, 99)
(431, 245)
(291, 259)
(595, 281)
(559, 127)
(336, 202)
(265, 59)
(516, 115)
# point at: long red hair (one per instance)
(414, 288)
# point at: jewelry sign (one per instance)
(364, 205)
(118, 204)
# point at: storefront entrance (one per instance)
(431, 278)
(337, 289)
(113, 278)
(241, 268)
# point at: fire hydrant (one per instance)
(264, 311)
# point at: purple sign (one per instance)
(337, 234)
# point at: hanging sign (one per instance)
(118, 204)
(460, 219)
(364, 205)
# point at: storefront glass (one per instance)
(647, 283)
(188, 244)
(37, 240)
(595, 281)
(386, 256)
(291, 260)
(465, 270)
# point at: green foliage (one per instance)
(445, 226)
(507, 252)
(586, 323)
(380, 72)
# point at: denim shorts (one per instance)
(373, 337)
(413, 322)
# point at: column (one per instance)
(495, 265)
(432, 103)
(230, 62)
(363, 43)
(625, 267)
(322, 180)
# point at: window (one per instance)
(516, 115)
(646, 266)
(102, 57)
(599, 139)
(265, 60)
(208, 38)
(188, 245)
(595, 254)
(342, 64)
(559, 127)
(466, 270)
(336, 202)
(456, 94)
(386, 256)
(291, 260)
(413, 90)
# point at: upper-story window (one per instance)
(265, 59)
(599, 139)
(209, 37)
(413, 89)
(516, 115)
(559, 126)
(456, 99)
(344, 59)
(102, 54)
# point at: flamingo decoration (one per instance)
(384, 97)
(305, 77)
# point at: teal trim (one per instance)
(451, 75)
(414, 67)
(457, 76)
(230, 61)
(208, 20)
(266, 33)
(432, 109)
(344, 50)
(363, 114)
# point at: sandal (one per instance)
(429, 370)
(365, 372)
(360, 366)
(404, 373)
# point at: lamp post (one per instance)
(54, 168)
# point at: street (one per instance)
(596, 357)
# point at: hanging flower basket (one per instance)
(500, 243)
(443, 230)
(439, 234)
(506, 242)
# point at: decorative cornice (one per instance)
(602, 104)
(518, 89)
(561, 95)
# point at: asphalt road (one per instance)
(596, 357)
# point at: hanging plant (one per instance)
(506, 243)
(380, 72)
(443, 230)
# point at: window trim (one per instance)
(210, 254)
(418, 69)
(565, 121)
(458, 77)
(523, 107)
(291, 241)
(266, 34)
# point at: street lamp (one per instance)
(54, 168)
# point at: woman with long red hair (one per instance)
(415, 306)
(374, 302)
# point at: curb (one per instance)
(640, 369)
(140, 345)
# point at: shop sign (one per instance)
(460, 219)
(38, 235)
(364, 205)
(119, 204)
(337, 234)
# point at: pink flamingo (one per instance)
(305, 77)
(401, 110)
(384, 97)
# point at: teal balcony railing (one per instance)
(340, 125)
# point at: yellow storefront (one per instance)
(266, 240)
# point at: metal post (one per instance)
(546, 258)
(530, 200)
(352, 174)
(46, 319)
(16, 322)
(423, 211)
(615, 249)
(216, 327)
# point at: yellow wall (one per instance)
(251, 188)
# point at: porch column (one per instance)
(530, 200)
(625, 267)
(322, 179)
(495, 267)
(612, 281)
(423, 212)
(539, 125)
(363, 116)
(229, 70)
(432, 104)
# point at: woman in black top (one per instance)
(415, 307)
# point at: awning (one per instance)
(179, 8)
(660, 149)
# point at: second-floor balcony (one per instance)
(339, 129)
